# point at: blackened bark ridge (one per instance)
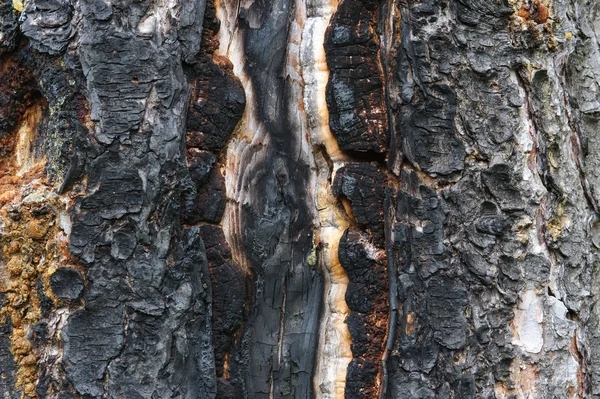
(299, 198)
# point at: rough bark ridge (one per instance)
(299, 198)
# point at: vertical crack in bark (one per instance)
(578, 79)
(390, 19)
(392, 274)
(271, 200)
(576, 135)
(334, 351)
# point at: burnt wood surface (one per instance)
(299, 199)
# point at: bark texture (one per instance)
(299, 199)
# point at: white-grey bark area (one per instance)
(299, 199)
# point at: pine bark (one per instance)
(299, 199)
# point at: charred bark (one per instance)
(297, 199)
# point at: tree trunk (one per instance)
(298, 199)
